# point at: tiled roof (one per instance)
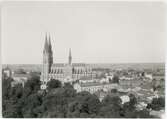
(65, 64)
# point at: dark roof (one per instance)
(85, 78)
(94, 84)
(78, 64)
(73, 64)
(21, 75)
(59, 65)
(90, 84)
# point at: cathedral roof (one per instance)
(73, 64)
(59, 65)
(78, 64)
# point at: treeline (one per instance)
(61, 102)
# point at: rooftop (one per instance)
(21, 75)
(95, 84)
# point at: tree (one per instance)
(12, 105)
(115, 79)
(129, 108)
(154, 84)
(57, 100)
(32, 102)
(110, 111)
(84, 105)
(19, 104)
(133, 100)
(6, 87)
(143, 114)
(32, 85)
(157, 103)
(16, 92)
(111, 107)
(114, 91)
(109, 99)
(53, 84)
(13, 110)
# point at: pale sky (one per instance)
(96, 32)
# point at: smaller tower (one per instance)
(70, 57)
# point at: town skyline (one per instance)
(112, 32)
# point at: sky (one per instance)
(96, 32)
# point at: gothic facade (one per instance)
(67, 72)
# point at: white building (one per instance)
(125, 98)
(94, 87)
(19, 79)
(6, 72)
(149, 76)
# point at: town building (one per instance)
(6, 72)
(63, 72)
(20, 77)
(95, 86)
(130, 83)
(17, 77)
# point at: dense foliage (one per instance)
(157, 104)
(62, 101)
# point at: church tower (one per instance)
(47, 60)
(51, 54)
(70, 57)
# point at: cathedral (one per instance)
(64, 72)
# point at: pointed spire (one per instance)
(50, 45)
(70, 52)
(46, 46)
(70, 57)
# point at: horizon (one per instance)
(97, 63)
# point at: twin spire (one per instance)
(48, 48)
(48, 45)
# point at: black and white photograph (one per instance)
(83, 59)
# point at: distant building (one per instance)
(141, 106)
(149, 76)
(130, 83)
(88, 80)
(19, 79)
(94, 87)
(158, 113)
(14, 83)
(158, 76)
(125, 98)
(6, 72)
(63, 72)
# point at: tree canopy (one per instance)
(63, 101)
